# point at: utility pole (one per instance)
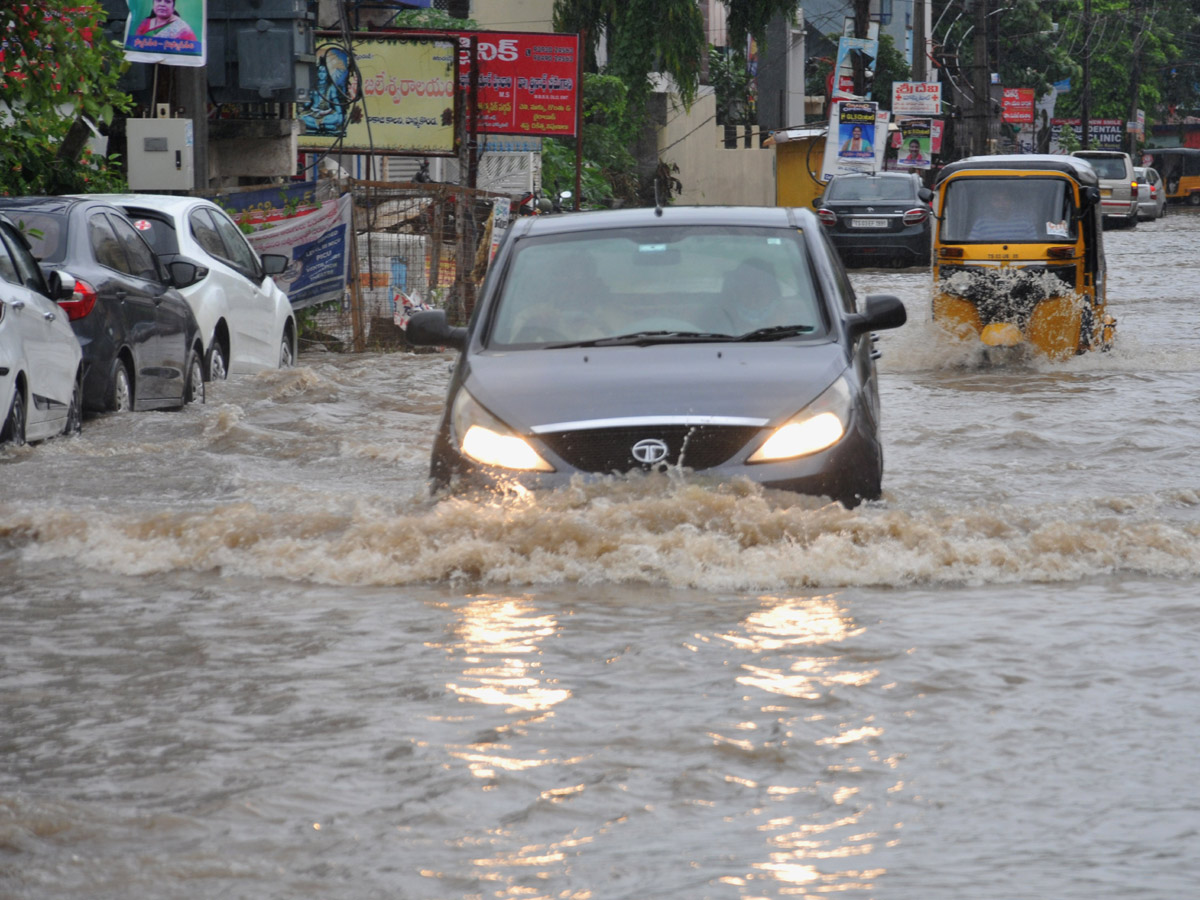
(920, 56)
(1085, 98)
(979, 55)
(862, 29)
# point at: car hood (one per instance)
(764, 381)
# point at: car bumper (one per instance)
(912, 244)
(850, 471)
(1118, 209)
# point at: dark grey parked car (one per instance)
(725, 340)
(880, 219)
(140, 340)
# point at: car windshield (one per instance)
(870, 188)
(1010, 210)
(46, 232)
(657, 285)
(1107, 166)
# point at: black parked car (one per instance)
(881, 219)
(141, 344)
(724, 340)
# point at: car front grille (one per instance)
(605, 450)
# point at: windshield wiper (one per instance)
(775, 332)
(645, 338)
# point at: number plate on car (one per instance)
(1105, 192)
(868, 223)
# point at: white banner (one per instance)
(319, 247)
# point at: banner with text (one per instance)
(1103, 134)
(914, 98)
(528, 81)
(318, 246)
(407, 88)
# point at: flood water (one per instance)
(244, 655)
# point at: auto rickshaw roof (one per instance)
(1071, 166)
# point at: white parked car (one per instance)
(246, 320)
(41, 376)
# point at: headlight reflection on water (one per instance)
(804, 854)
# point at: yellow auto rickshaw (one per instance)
(1018, 255)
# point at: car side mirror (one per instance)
(61, 284)
(882, 311)
(925, 194)
(1091, 196)
(274, 263)
(429, 328)
(184, 273)
(818, 202)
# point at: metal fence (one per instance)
(414, 243)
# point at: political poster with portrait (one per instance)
(170, 32)
(384, 95)
(916, 143)
(856, 131)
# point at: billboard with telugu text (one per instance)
(528, 82)
(173, 32)
(406, 88)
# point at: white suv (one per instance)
(1118, 184)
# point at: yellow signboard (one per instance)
(387, 96)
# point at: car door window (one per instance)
(8, 268)
(105, 246)
(24, 266)
(206, 234)
(239, 254)
(141, 258)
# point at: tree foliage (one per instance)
(57, 74)
(608, 170)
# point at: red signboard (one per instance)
(1018, 106)
(528, 82)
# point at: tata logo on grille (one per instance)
(650, 451)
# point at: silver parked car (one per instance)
(1118, 185)
(1152, 193)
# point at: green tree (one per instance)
(890, 65)
(57, 74)
(608, 168)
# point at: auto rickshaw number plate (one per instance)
(868, 223)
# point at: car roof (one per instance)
(168, 203)
(649, 217)
(46, 204)
(1077, 168)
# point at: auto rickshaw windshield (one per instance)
(1009, 210)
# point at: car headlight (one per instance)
(819, 425)
(485, 439)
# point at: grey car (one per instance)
(726, 341)
(1152, 193)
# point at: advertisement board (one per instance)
(1018, 106)
(406, 86)
(528, 81)
(318, 245)
(911, 98)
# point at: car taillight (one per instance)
(827, 216)
(1133, 190)
(81, 302)
(915, 216)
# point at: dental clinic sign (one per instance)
(915, 98)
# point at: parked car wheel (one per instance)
(218, 366)
(121, 397)
(287, 358)
(14, 424)
(193, 386)
(75, 410)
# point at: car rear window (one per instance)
(1108, 166)
(46, 232)
(670, 278)
(157, 229)
(870, 189)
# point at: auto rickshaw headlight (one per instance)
(817, 427)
